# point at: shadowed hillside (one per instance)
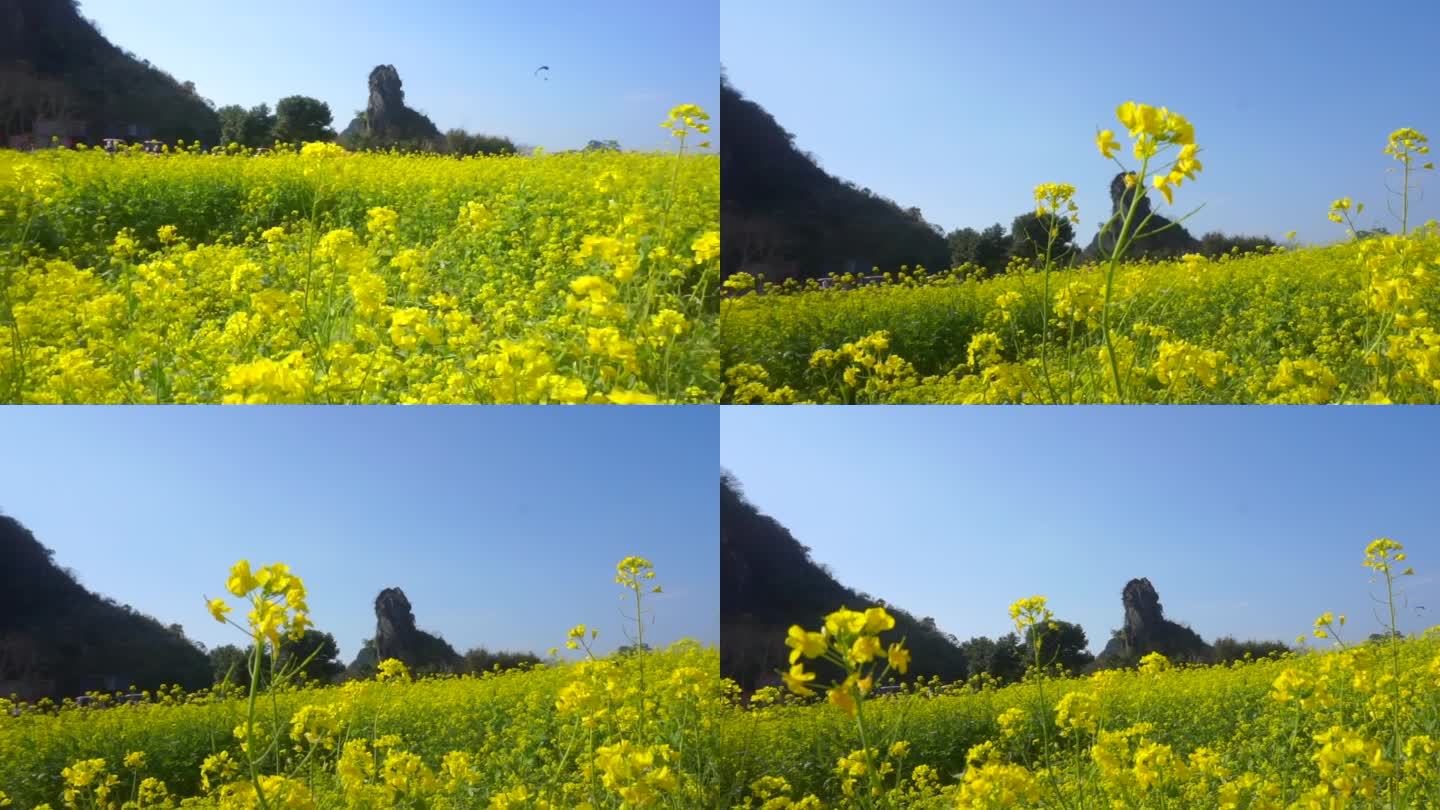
(768, 582)
(783, 216)
(58, 639)
(59, 75)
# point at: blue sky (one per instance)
(962, 108)
(502, 525)
(616, 68)
(1249, 521)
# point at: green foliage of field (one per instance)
(327, 276)
(1234, 711)
(509, 723)
(1346, 323)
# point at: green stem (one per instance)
(250, 722)
(1395, 677)
(870, 769)
(1044, 326)
(1115, 255)
(1405, 201)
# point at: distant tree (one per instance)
(1064, 646)
(993, 249)
(631, 649)
(320, 649)
(988, 249)
(1030, 233)
(259, 129)
(1215, 244)
(457, 142)
(962, 243)
(1228, 649)
(228, 662)
(481, 660)
(999, 658)
(602, 146)
(492, 145)
(233, 118)
(324, 667)
(460, 143)
(301, 119)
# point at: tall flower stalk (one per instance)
(1157, 133)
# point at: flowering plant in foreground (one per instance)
(630, 730)
(1351, 727)
(850, 640)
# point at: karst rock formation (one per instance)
(396, 636)
(1166, 244)
(1146, 630)
(387, 120)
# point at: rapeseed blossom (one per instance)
(610, 732)
(325, 276)
(1346, 727)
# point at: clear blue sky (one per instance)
(962, 108)
(616, 68)
(1249, 521)
(502, 525)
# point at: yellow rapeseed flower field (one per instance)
(621, 731)
(1347, 323)
(1353, 726)
(315, 275)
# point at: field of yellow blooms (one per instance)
(1347, 323)
(315, 275)
(1355, 726)
(605, 732)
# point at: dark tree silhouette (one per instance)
(782, 215)
(61, 640)
(301, 119)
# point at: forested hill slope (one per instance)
(784, 216)
(55, 65)
(58, 639)
(769, 582)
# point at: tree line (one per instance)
(302, 119)
(316, 658)
(991, 250)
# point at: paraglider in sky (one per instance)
(545, 68)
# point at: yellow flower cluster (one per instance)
(1154, 128)
(277, 602)
(322, 276)
(851, 640)
(1350, 727)
(862, 370)
(1405, 143)
(1056, 199)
